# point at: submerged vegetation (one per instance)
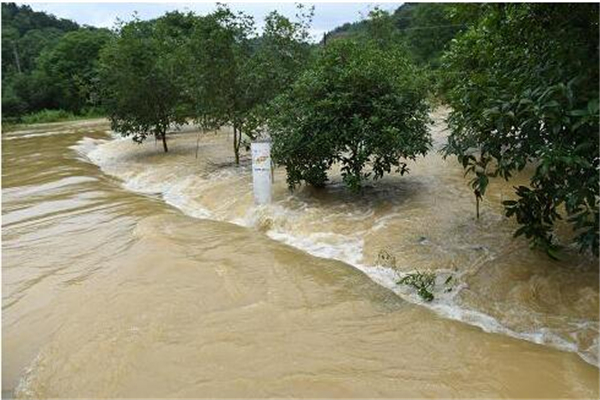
(422, 282)
(521, 81)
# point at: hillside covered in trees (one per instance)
(425, 29)
(47, 62)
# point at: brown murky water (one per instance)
(131, 273)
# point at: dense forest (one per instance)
(425, 29)
(521, 81)
(47, 63)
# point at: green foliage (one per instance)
(422, 282)
(219, 50)
(47, 63)
(381, 29)
(47, 116)
(233, 76)
(12, 104)
(281, 55)
(523, 86)
(425, 282)
(359, 106)
(70, 68)
(424, 29)
(141, 89)
(427, 30)
(25, 33)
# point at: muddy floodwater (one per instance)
(132, 273)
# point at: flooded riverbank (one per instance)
(155, 276)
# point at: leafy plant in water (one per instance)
(423, 282)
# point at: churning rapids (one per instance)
(128, 272)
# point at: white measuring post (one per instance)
(262, 177)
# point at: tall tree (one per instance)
(282, 53)
(27, 34)
(429, 31)
(233, 75)
(219, 49)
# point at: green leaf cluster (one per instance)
(422, 282)
(523, 86)
(233, 75)
(359, 105)
(141, 89)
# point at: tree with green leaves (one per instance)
(358, 105)
(429, 31)
(71, 68)
(233, 75)
(523, 87)
(219, 48)
(26, 35)
(281, 54)
(141, 88)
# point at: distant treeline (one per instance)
(47, 62)
(51, 63)
(425, 29)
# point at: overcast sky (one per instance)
(327, 15)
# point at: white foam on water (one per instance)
(325, 245)
(277, 221)
(26, 135)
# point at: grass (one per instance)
(49, 116)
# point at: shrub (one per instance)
(358, 105)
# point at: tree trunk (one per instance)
(198, 141)
(16, 54)
(236, 146)
(238, 143)
(164, 140)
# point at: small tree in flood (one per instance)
(359, 105)
(141, 89)
(232, 75)
(219, 50)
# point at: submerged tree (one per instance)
(523, 86)
(233, 75)
(219, 50)
(358, 105)
(281, 54)
(142, 90)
